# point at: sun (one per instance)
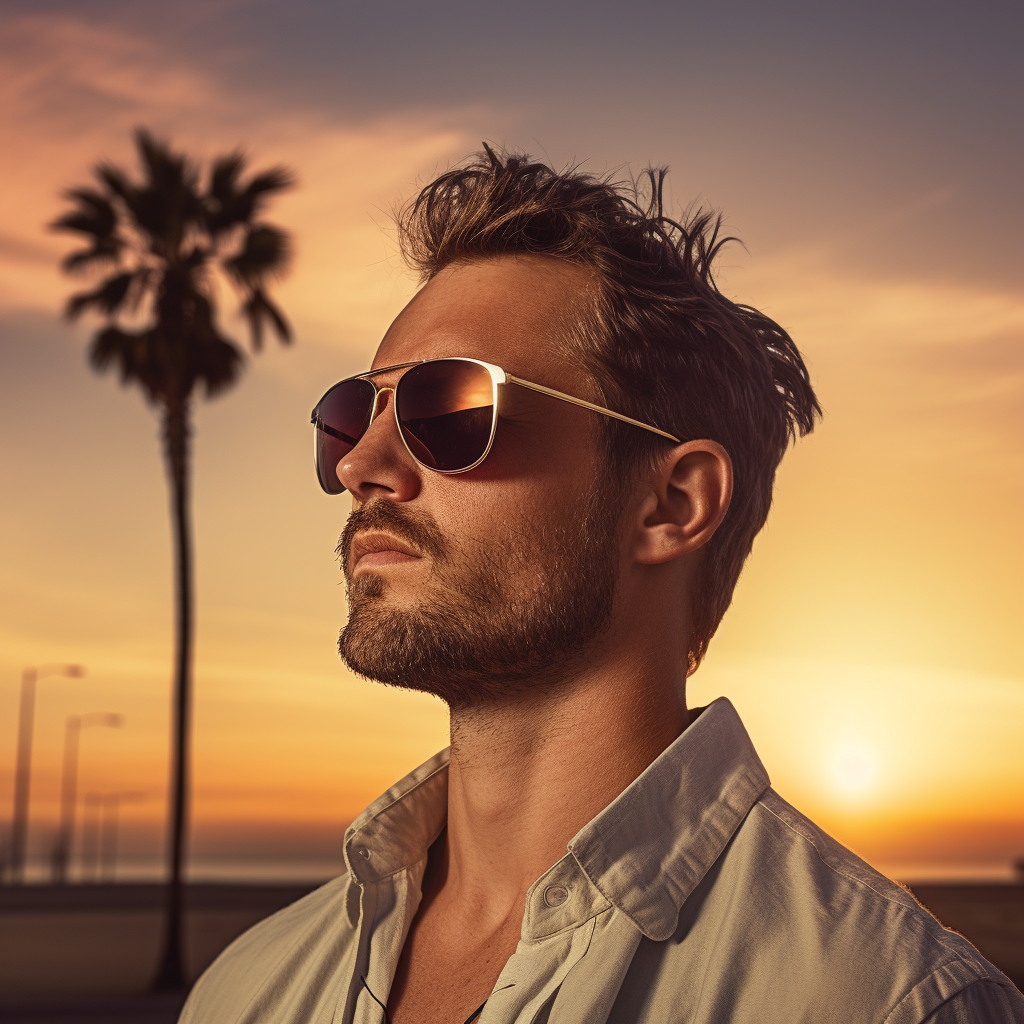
(854, 769)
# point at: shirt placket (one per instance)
(386, 909)
(561, 910)
(350, 1005)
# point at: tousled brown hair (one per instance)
(663, 344)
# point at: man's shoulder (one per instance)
(851, 899)
(840, 882)
(279, 947)
(866, 936)
(813, 857)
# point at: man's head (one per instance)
(567, 281)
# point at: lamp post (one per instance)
(91, 837)
(23, 769)
(108, 842)
(69, 786)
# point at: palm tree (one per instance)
(159, 243)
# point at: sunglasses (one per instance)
(446, 410)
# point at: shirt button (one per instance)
(363, 852)
(555, 895)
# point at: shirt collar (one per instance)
(396, 830)
(644, 853)
(651, 846)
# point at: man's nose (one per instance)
(380, 465)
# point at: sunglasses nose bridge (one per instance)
(378, 403)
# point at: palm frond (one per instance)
(112, 346)
(209, 358)
(134, 355)
(142, 280)
(218, 364)
(259, 310)
(229, 203)
(161, 165)
(167, 204)
(263, 185)
(95, 214)
(108, 297)
(225, 206)
(225, 171)
(105, 251)
(224, 175)
(274, 179)
(116, 181)
(195, 258)
(265, 253)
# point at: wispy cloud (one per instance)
(73, 92)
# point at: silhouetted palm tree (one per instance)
(160, 242)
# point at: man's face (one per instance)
(482, 584)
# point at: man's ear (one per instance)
(685, 500)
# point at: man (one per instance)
(557, 465)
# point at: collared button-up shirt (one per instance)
(697, 895)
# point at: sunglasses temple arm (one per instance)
(320, 425)
(562, 397)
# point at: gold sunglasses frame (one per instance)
(498, 376)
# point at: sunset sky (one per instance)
(870, 158)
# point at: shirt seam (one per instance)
(943, 999)
(956, 955)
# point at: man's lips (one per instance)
(374, 548)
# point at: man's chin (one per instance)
(396, 650)
(380, 643)
(419, 653)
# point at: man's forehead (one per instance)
(512, 311)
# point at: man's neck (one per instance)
(528, 774)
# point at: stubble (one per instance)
(494, 618)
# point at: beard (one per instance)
(497, 617)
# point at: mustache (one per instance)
(415, 526)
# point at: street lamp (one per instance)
(100, 834)
(23, 770)
(91, 836)
(69, 786)
(108, 843)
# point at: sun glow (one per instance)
(853, 769)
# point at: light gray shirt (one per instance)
(697, 895)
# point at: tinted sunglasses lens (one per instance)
(340, 420)
(446, 412)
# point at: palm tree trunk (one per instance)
(171, 974)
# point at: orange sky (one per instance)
(874, 644)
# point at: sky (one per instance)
(868, 156)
